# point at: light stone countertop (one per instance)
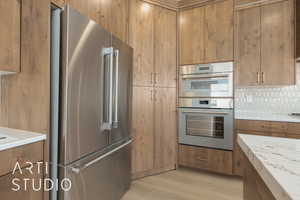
(11, 138)
(277, 161)
(266, 117)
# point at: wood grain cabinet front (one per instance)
(10, 35)
(154, 149)
(214, 160)
(264, 47)
(206, 33)
(263, 128)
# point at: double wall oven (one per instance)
(206, 105)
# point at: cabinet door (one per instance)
(218, 32)
(142, 40)
(165, 47)
(277, 50)
(247, 48)
(119, 18)
(165, 128)
(10, 20)
(143, 129)
(26, 192)
(191, 35)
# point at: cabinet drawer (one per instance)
(6, 185)
(22, 154)
(208, 159)
(278, 127)
(252, 125)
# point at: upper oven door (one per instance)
(209, 80)
(206, 127)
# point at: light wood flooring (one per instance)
(186, 184)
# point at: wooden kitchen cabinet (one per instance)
(248, 46)
(218, 32)
(191, 36)
(263, 128)
(277, 43)
(113, 15)
(165, 128)
(153, 37)
(142, 41)
(142, 129)
(10, 35)
(214, 160)
(206, 33)
(154, 131)
(6, 185)
(265, 45)
(26, 153)
(165, 52)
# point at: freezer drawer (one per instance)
(107, 179)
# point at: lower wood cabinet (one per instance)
(154, 135)
(263, 128)
(32, 172)
(254, 187)
(214, 160)
(26, 191)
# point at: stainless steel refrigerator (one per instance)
(91, 108)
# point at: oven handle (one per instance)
(219, 76)
(208, 112)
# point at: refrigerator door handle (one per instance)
(78, 169)
(116, 120)
(110, 52)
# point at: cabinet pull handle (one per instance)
(262, 77)
(155, 78)
(258, 78)
(151, 79)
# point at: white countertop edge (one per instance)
(266, 117)
(22, 142)
(274, 186)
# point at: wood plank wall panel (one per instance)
(10, 35)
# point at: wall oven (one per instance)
(206, 123)
(206, 80)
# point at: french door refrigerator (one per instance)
(91, 103)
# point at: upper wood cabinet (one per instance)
(218, 32)
(265, 45)
(10, 35)
(191, 33)
(153, 37)
(248, 46)
(142, 40)
(165, 48)
(113, 15)
(206, 33)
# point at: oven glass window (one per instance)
(205, 126)
(215, 84)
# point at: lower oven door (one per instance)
(206, 127)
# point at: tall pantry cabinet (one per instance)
(152, 34)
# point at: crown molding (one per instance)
(180, 4)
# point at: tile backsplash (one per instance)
(277, 100)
